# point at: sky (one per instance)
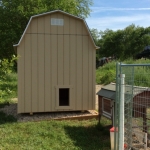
(118, 14)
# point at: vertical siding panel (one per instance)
(72, 25)
(79, 73)
(20, 53)
(66, 60)
(73, 68)
(94, 70)
(41, 72)
(84, 31)
(60, 59)
(54, 69)
(90, 64)
(28, 73)
(47, 24)
(41, 25)
(48, 89)
(85, 73)
(34, 25)
(34, 73)
(53, 27)
(79, 27)
(60, 28)
(66, 24)
(28, 29)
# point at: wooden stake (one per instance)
(31, 113)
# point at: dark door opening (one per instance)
(64, 97)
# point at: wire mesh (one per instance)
(136, 106)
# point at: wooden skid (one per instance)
(78, 117)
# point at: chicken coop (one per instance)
(132, 106)
(107, 95)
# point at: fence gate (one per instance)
(132, 107)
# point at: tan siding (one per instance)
(84, 31)
(85, 72)
(41, 72)
(54, 69)
(60, 28)
(34, 25)
(53, 28)
(72, 25)
(21, 84)
(73, 67)
(28, 78)
(66, 24)
(56, 56)
(48, 72)
(34, 73)
(79, 73)
(94, 69)
(28, 29)
(90, 80)
(66, 59)
(60, 59)
(47, 24)
(41, 25)
(79, 27)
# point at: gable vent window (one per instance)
(57, 22)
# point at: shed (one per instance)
(56, 65)
(107, 95)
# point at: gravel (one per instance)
(12, 110)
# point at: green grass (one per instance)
(107, 73)
(8, 89)
(54, 135)
(59, 135)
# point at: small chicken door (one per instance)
(64, 97)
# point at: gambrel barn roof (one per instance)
(51, 12)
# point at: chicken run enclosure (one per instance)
(132, 113)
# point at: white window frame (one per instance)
(70, 87)
(57, 22)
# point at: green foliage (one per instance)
(8, 81)
(14, 16)
(6, 67)
(106, 73)
(51, 135)
(125, 43)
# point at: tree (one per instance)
(95, 34)
(15, 14)
(125, 43)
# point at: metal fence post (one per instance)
(121, 119)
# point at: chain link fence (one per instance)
(136, 132)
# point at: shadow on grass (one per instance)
(6, 118)
(89, 138)
(3, 104)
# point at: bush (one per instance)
(8, 80)
(106, 73)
